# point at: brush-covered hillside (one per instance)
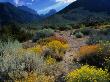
(82, 11)
(11, 13)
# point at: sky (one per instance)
(41, 6)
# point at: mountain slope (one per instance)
(10, 13)
(25, 8)
(83, 11)
(51, 12)
(92, 5)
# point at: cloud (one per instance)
(58, 6)
(43, 6)
(32, 0)
(65, 1)
(16, 2)
(19, 2)
(23, 2)
(29, 3)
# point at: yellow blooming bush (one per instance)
(50, 60)
(107, 63)
(57, 47)
(44, 78)
(59, 38)
(32, 77)
(38, 49)
(44, 41)
(50, 39)
(88, 74)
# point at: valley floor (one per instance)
(62, 57)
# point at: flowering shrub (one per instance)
(44, 41)
(107, 63)
(37, 49)
(17, 63)
(104, 48)
(32, 77)
(88, 74)
(44, 78)
(88, 50)
(90, 55)
(57, 47)
(50, 39)
(50, 60)
(61, 39)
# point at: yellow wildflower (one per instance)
(88, 73)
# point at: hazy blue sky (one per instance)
(41, 6)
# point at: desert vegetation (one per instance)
(72, 45)
(80, 54)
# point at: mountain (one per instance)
(83, 11)
(11, 13)
(27, 9)
(51, 12)
(92, 5)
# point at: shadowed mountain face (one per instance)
(10, 13)
(83, 11)
(92, 5)
(27, 9)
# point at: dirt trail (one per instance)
(74, 43)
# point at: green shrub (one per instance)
(79, 35)
(64, 27)
(18, 74)
(15, 32)
(86, 31)
(82, 26)
(99, 35)
(105, 31)
(49, 27)
(40, 34)
(98, 57)
(16, 62)
(105, 48)
(93, 59)
(9, 59)
(96, 36)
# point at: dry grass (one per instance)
(88, 50)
